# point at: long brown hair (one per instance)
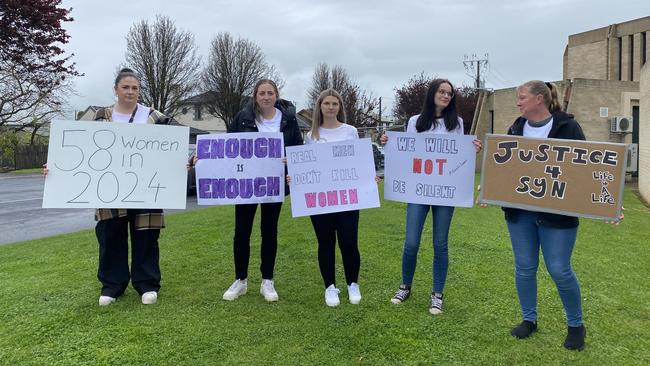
(317, 116)
(258, 111)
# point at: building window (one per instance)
(620, 58)
(644, 48)
(197, 112)
(631, 43)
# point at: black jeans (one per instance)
(244, 216)
(345, 226)
(113, 271)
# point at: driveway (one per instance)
(22, 218)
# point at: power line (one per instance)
(473, 67)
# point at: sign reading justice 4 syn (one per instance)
(430, 169)
(116, 165)
(570, 177)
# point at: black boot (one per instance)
(575, 338)
(524, 330)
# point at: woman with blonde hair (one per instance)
(329, 125)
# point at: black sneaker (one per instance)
(436, 304)
(524, 330)
(575, 338)
(401, 295)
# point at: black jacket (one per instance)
(564, 127)
(244, 121)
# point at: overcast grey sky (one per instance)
(381, 43)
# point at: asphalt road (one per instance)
(22, 218)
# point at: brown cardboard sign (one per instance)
(568, 177)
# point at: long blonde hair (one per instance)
(317, 115)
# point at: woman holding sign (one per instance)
(438, 116)
(542, 117)
(114, 225)
(328, 125)
(265, 113)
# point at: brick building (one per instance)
(605, 76)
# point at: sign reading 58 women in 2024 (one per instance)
(430, 169)
(115, 165)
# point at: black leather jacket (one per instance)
(244, 121)
(564, 127)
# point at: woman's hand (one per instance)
(288, 179)
(45, 170)
(377, 179)
(284, 160)
(620, 218)
(383, 139)
(478, 145)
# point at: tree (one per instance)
(165, 58)
(233, 68)
(409, 99)
(34, 77)
(360, 106)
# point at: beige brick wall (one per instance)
(588, 96)
(588, 61)
(625, 58)
(644, 133)
(636, 72)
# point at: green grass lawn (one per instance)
(49, 313)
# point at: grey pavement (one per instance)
(22, 218)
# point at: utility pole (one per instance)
(475, 71)
(380, 111)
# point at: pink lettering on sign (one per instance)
(332, 198)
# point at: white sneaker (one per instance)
(238, 288)
(268, 291)
(332, 296)
(354, 294)
(150, 297)
(106, 300)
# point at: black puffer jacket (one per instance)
(244, 121)
(564, 127)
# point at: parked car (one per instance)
(191, 173)
(378, 154)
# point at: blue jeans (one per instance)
(527, 236)
(416, 214)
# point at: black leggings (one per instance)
(345, 226)
(244, 216)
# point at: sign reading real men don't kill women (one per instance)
(116, 165)
(237, 168)
(332, 177)
(430, 169)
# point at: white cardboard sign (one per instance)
(239, 168)
(430, 169)
(332, 177)
(116, 165)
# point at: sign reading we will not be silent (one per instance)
(430, 169)
(239, 168)
(332, 177)
(569, 177)
(116, 165)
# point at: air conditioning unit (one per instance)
(632, 158)
(621, 124)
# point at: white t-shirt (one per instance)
(439, 129)
(141, 115)
(270, 125)
(341, 133)
(539, 132)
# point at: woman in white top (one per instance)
(328, 125)
(438, 116)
